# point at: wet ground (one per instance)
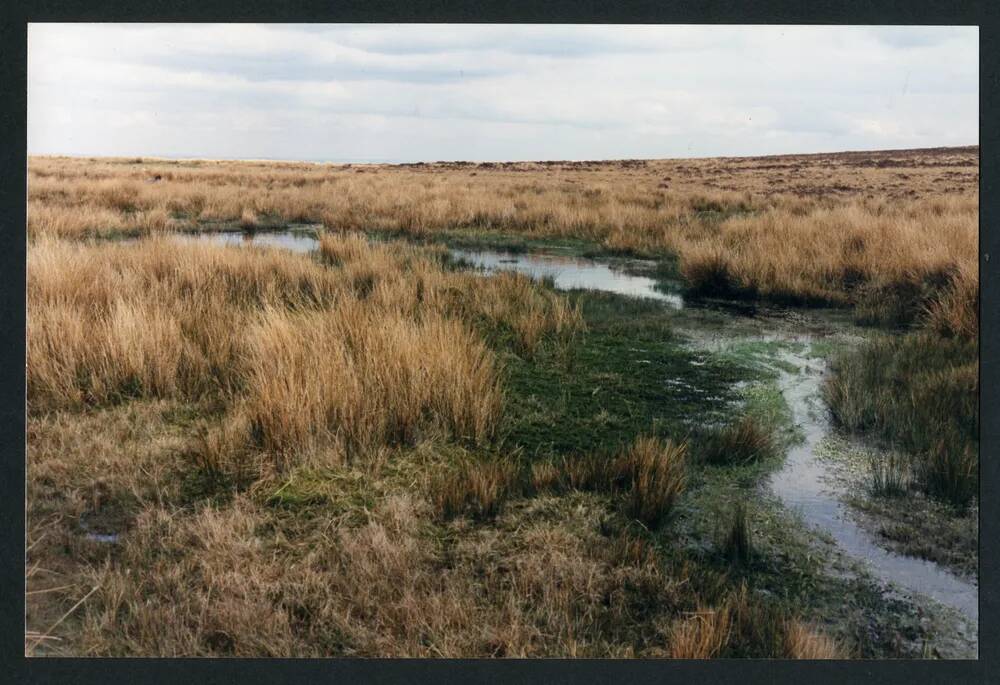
(804, 484)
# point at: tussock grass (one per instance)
(739, 226)
(805, 642)
(741, 442)
(658, 475)
(890, 475)
(740, 626)
(836, 254)
(477, 488)
(920, 392)
(365, 379)
(701, 636)
(301, 356)
(650, 473)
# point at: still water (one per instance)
(567, 273)
(803, 483)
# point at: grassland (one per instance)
(369, 451)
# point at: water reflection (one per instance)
(567, 273)
(296, 241)
(570, 273)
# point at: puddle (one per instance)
(803, 485)
(571, 273)
(567, 273)
(300, 239)
(109, 538)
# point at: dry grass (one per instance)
(476, 487)
(740, 626)
(159, 370)
(701, 636)
(301, 355)
(805, 227)
(540, 582)
(658, 475)
(804, 642)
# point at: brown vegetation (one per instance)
(805, 227)
(300, 354)
(298, 452)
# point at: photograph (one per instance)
(501, 341)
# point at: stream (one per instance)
(803, 484)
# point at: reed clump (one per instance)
(658, 475)
(299, 354)
(920, 393)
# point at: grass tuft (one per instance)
(475, 488)
(742, 442)
(738, 542)
(889, 474)
(658, 475)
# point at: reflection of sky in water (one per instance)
(298, 241)
(569, 273)
(804, 486)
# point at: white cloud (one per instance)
(425, 92)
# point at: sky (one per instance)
(407, 93)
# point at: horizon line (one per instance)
(376, 161)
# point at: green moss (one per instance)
(626, 375)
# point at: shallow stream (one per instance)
(803, 484)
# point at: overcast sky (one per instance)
(495, 92)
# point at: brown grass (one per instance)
(296, 451)
(658, 475)
(476, 487)
(805, 228)
(302, 356)
(738, 626)
(804, 642)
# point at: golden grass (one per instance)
(740, 624)
(658, 473)
(302, 355)
(804, 642)
(845, 228)
(701, 636)
(154, 365)
(476, 487)
(365, 378)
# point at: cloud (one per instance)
(428, 92)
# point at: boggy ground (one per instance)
(437, 548)
(203, 479)
(799, 228)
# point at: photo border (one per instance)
(13, 77)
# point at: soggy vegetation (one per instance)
(370, 451)
(919, 392)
